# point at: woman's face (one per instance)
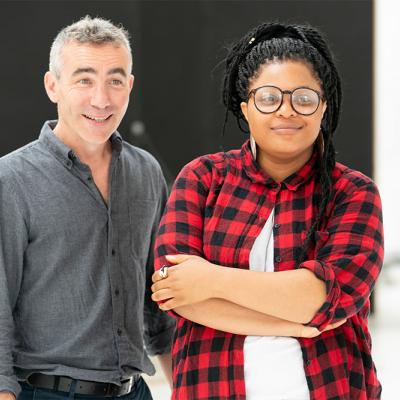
(284, 136)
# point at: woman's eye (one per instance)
(303, 100)
(269, 99)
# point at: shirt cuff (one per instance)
(9, 384)
(162, 342)
(325, 314)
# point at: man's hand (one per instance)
(7, 396)
(309, 332)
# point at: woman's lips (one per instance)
(288, 129)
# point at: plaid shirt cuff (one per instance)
(325, 314)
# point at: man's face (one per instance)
(92, 91)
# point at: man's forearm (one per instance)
(230, 317)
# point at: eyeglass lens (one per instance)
(268, 99)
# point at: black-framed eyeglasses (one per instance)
(268, 99)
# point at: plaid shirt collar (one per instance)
(292, 182)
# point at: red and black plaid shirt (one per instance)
(217, 208)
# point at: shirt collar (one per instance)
(61, 150)
(292, 182)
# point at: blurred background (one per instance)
(175, 110)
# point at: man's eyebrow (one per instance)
(83, 71)
(90, 70)
(117, 70)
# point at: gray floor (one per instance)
(385, 330)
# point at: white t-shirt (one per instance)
(273, 365)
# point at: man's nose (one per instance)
(100, 97)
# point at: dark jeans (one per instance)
(140, 392)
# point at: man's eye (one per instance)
(84, 81)
(116, 82)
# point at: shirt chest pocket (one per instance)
(142, 222)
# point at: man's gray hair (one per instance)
(89, 31)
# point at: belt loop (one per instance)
(56, 383)
(72, 389)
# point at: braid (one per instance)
(275, 41)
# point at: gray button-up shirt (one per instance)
(75, 273)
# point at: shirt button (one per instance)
(113, 252)
(278, 259)
(119, 332)
(277, 226)
(116, 292)
(308, 362)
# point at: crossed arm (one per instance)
(321, 293)
(219, 298)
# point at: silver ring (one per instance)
(163, 272)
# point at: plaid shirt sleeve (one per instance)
(181, 227)
(349, 253)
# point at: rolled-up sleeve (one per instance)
(13, 241)
(348, 254)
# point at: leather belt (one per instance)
(64, 384)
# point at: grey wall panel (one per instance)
(177, 46)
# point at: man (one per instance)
(79, 208)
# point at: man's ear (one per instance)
(243, 106)
(131, 80)
(51, 86)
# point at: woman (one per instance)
(273, 249)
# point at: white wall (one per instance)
(387, 118)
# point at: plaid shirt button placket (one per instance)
(216, 210)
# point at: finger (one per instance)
(313, 332)
(178, 258)
(162, 284)
(167, 305)
(339, 323)
(335, 325)
(161, 295)
(156, 277)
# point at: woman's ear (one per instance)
(324, 107)
(243, 106)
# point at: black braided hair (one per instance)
(277, 41)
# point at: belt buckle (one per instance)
(130, 384)
(127, 386)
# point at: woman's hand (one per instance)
(188, 281)
(310, 332)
